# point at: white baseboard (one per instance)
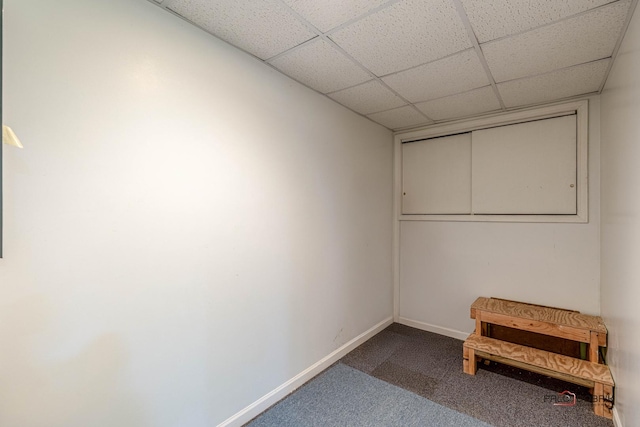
(616, 418)
(271, 398)
(435, 329)
(616, 415)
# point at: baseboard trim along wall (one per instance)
(616, 415)
(269, 399)
(616, 418)
(433, 328)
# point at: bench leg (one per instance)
(598, 407)
(593, 348)
(608, 408)
(469, 362)
(601, 397)
(465, 360)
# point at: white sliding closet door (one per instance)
(526, 168)
(436, 176)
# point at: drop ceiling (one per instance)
(408, 63)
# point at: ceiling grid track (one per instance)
(165, 4)
(476, 46)
(331, 31)
(327, 39)
(632, 9)
(293, 49)
(361, 17)
(426, 63)
(379, 80)
(568, 67)
(548, 24)
(483, 69)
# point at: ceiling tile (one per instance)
(321, 66)
(581, 79)
(494, 19)
(263, 28)
(368, 98)
(577, 40)
(405, 34)
(400, 118)
(328, 14)
(466, 104)
(455, 74)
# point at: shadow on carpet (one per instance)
(343, 396)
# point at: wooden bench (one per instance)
(549, 321)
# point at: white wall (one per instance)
(445, 266)
(185, 230)
(621, 223)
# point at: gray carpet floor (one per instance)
(430, 365)
(344, 396)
